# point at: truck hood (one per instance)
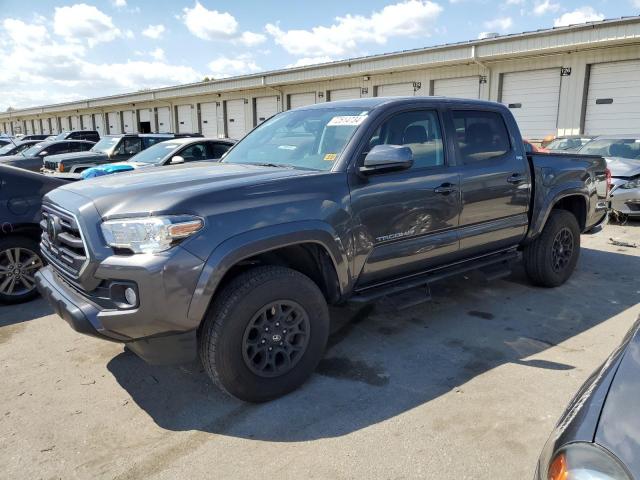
(74, 157)
(166, 190)
(623, 167)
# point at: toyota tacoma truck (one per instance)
(348, 201)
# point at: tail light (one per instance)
(608, 174)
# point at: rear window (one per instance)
(480, 135)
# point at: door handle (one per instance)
(445, 189)
(515, 179)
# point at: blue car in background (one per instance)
(169, 152)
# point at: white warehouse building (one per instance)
(581, 79)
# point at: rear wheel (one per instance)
(551, 258)
(19, 261)
(265, 333)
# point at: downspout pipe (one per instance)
(474, 58)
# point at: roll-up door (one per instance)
(97, 118)
(64, 121)
(128, 122)
(462, 87)
(297, 100)
(209, 119)
(613, 98)
(235, 118)
(146, 123)
(533, 98)
(87, 124)
(55, 127)
(28, 127)
(185, 119)
(164, 120)
(114, 122)
(46, 128)
(344, 94)
(395, 90)
(75, 122)
(266, 107)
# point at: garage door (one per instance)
(463, 87)
(344, 94)
(533, 98)
(97, 118)
(265, 107)
(209, 119)
(64, 124)
(28, 127)
(86, 122)
(146, 121)
(114, 122)
(185, 120)
(395, 90)
(613, 99)
(164, 120)
(297, 100)
(55, 128)
(235, 118)
(75, 122)
(129, 122)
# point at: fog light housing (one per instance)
(130, 296)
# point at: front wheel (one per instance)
(265, 333)
(551, 258)
(19, 261)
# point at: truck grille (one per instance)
(50, 165)
(61, 243)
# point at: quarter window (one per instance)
(480, 135)
(419, 130)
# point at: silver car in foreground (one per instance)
(622, 153)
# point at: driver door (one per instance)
(406, 221)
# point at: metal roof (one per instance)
(610, 31)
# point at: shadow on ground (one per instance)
(12, 314)
(381, 362)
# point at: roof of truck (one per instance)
(372, 102)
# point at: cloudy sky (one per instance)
(54, 52)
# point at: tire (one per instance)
(240, 327)
(546, 259)
(20, 259)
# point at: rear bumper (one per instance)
(86, 317)
(626, 201)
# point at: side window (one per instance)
(148, 141)
(419, 130)
(83, 147)
(131, 145)
(218, 149)
(194, 152)
(56, 148)
(480, 135)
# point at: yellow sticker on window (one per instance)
(330, 157)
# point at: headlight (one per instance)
(585, 461)
(635, 183)
(149, 234)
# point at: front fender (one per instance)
(251, 243)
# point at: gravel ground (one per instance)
(467, 386)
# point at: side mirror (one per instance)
(383, 158)
(176, 160)
(43, 153)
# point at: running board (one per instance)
(495, 265)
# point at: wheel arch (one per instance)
(574, 200)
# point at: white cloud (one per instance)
(82, 22)
(119, 3)
(579, 15)
(223, 67)
(514, 2)
(412, 18)
(157, 54)
(209, 24)
(635, 3)
(251, 39)
(301, 62)
(501, 24)
(154, 31)
(544, 7)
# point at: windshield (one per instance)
(613, 147)
(33, 151)
(8, 147)
(155, 153)
(308, 139)
(105, 144)
(61, 136)
(566, 143)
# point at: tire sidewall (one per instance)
(232, 370)
(559, 221)
(21, 242)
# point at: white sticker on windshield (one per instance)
(287, 147)
(347, 121)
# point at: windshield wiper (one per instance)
(274, 165)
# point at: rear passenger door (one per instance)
(217, 149)
(494, 182)
(405, 220)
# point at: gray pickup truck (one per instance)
(339, 202)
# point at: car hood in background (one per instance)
(619, 426)
(623, 167)
(73, 156)
(156, 190)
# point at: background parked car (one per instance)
(20, 202)
(622, 153)
(14, 148)
(169, 152)
(90, 135)
(598, 436)
(568, 143)
(34, 137)
(32, 157)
